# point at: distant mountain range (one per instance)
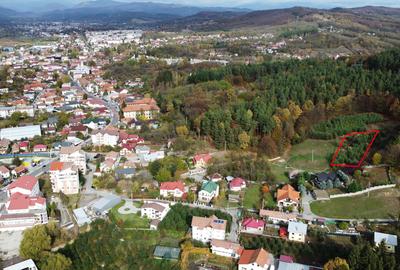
(177, 17)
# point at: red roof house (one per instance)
(172, 189)
(201, 160)
(40, 148)
(259, 257)
(252, 225)
(237, 184)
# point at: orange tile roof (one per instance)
(56, 166)
(259, 256)
(288, 192)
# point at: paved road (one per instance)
(112, 106)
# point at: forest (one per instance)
(342, 125)
(275, 104)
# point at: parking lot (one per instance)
(9, 244)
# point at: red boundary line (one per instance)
(344, 138)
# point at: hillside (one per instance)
(364, 16)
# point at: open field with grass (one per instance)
(380, 204)
(252, 197)
(311, 155)
(279, 170)
(128, 220)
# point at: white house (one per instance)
(64, 177)
(172, 189)
(4, 172)
(206, 228)
(297, 231)
(226, 248)
(75, 155)
(209, 190)
(237, 184)
(154, 210)
(389, 240)
(256, 259)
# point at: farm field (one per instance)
(380, 204)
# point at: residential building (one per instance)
(4, 146)
(172, 189)
(287, 196)
(277, 216)
(23, 207)
(297, 231)
(108, 137)
(75, 155)
(252, 225)
(40, 148)
(27, 185)
(256, 259)
(64, 177)
(237, 184)
(146, 107)
(154, 210)
(206, 228)
(201, 160)
(389, 240)
(226, 248)
(4, 172)
(209, 190)
(103, 205)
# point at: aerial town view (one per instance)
(207, 135)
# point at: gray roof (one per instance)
(297, 227)
(106, 203)
(18, 133)
(168, 253)
(389, 239)
(125, 171)
(292, 266)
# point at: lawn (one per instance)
(128, 220)
(380, 204)
(311, 155)
(279, 170)
(252, 197)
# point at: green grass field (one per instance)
(128, 220)
(252, 197)
(380, 204)
(311, 155)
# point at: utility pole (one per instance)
(312, 155)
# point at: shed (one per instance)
(166, 253)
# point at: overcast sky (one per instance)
(253, 4)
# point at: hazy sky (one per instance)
(254, 4)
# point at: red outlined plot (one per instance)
(375, 133)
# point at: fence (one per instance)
(362, 191)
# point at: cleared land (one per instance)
(311, 155)
(383, 204)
